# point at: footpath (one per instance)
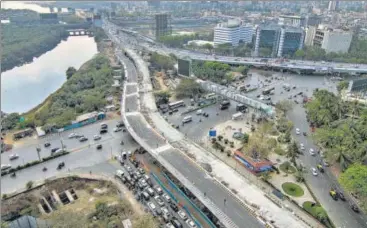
(264, 205)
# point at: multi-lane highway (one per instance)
(296, 65)
(228, 208)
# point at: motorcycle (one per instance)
(44, 169)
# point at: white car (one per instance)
(117, 129)
(298, 131)
(182, 215)
(199, 112)
(312, 152)
(129, 153)
(73, 135)
(5, 166)
(97, 137)
(191, 223)
(166, 197)
(13, 156)
(314, 171)
(302, 146)
(159, 201)
(152, 206)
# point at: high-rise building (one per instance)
(298, 21)
(332, 40)
(154, 4)
(333, 5)
(162, 25)
(279, 41)
(290, 40)
(233, 32)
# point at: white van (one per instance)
(119, 173)
(187, 119)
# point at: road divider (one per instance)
(33, 163)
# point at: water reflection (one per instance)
(23, 88)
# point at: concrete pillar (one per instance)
(70, 197)
(41, 209)
(56, 196)
(47, 204)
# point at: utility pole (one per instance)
(38, 149)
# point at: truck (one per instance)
(224, 105)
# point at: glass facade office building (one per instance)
(278, 41)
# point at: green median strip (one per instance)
(36, 162)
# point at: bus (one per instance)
(211, 96)
(176, 104)
(267, 90)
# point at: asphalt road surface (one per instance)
(217, 194)
(28, 153)
(84, 157)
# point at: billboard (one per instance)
(184, 67)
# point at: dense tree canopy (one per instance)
(162, 61)
(354, 179)
(187, 88)
(213, 71)
(342, 127)
(84, 92)
(357, 54)
(20, 43)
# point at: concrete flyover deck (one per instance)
(147, 137)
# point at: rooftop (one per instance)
(86, 116)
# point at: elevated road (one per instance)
(140, 122)
(298, 66)
(191, 175)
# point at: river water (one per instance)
(24, 87)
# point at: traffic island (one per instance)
(292, 189)
(316, 210)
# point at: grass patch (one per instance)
(292, 189)
(279, 151)
(287, 167)
(318, 212)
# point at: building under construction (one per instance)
(162, 26)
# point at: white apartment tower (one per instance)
(233, 32)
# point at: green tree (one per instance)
(284, 106)
(354, 180)
(299, 54)
(208, 47)
(243, 70)
(188, 88)
(70, 72)
(10, 121)
(293, 151)
(300, 173)
(342, 85)
(162, 96)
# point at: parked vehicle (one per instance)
(182, 215)
(54, 149)
(5, 167)
(104, 126)
(173, 206)
(47, 144)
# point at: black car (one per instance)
(341, 196)
(354, 208)
(47, 144)
(61, 165)
(99, 146)
(54, 149)
(136, 163)
(103, 131)
(83, 139)
(174, 207)
(120, 124)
